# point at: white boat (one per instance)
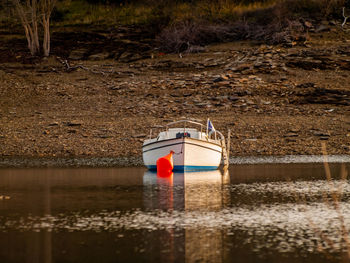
(197, 148)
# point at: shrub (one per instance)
(186, 35)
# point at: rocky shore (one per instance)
(276, 100)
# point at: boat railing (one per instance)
(184, 125)
(184, 121)
(216, 135)
(222, 137)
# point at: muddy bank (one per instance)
(276, 100)
(21, 162)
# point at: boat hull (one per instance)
(189, 154)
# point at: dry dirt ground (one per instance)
(276, 100)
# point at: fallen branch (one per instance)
(69, 68)
(345, 18)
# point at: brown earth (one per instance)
(276, 100)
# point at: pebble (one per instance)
(291, 134)
(53, 124)
(139, 136)
(251, 140)
(323, 138)
(321, 133)
(72, 124)
(219, 79)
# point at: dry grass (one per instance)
(81, 12)
(332, 199)
(336, 194)
(146, 12)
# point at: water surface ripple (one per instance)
(252, 213)
(285, 227)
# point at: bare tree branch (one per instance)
(345, 18)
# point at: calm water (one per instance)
(254, 213)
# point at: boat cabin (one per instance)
(185, 132)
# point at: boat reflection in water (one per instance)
(190, 192)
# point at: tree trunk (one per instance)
(46, 41)
(30, 28)
(35, 25)
(30, 13)
(29, 39)
(46, 8)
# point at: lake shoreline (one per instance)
(111, 162)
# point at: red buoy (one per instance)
(165, 175)
(165, 164)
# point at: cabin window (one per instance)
(182, 135)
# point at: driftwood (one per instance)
(69, 68)
(345, 18)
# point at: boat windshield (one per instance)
(187, 128)
(188, 124)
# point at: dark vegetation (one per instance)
(282, 22)
(188, 25)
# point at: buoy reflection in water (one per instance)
(189, 191)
